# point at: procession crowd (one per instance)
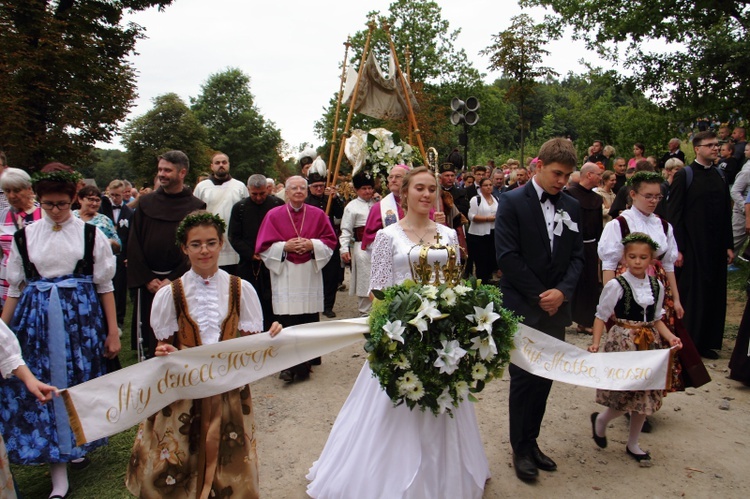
(634, 251)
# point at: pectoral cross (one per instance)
(437, 238)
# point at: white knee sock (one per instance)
(59, 474)
(636, 423)
(603, 419)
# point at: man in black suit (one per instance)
(121, 214)
(673, 152)
(448, 183)
(540, 273)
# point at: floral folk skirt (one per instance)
(621, 339)
(29, 428)
(197, 448)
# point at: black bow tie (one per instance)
(117, 207)
(553, 198)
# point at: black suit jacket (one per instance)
(123, 229)
(523, 254)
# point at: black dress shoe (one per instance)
(80, 464)
(525, 468)
(329, 313)
(286, 375)
(541, 461)
(316, 361)
(600, 441)
(647, 426)
(709, 354)
(643, 459)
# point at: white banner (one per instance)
(550, 358)
(115, 402)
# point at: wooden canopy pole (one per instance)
(402, 80)
(345, 133)
(334, 138)
(407, 56)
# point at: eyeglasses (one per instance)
(94, 199)
(49, 206)
(317, 186)
(651, 197)
(196, 247)
(394, 177)
(710, 146)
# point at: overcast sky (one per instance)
(292, 50)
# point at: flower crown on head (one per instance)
(640, 237)
(199, 218)
(57, 176)
(644, 176)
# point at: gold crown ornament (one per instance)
(435, 273)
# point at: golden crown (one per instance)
(435, 273)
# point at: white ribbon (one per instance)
(562, 217)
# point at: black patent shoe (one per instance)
(286, 375)
(644, 460)
(600, 441)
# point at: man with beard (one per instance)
(352, 229)
(154, 259)
(318, 197)
(699, 210)
(619, 167)
(221, 192)
(295, 242)
(245, 220)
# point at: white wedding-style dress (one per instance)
(377, 451)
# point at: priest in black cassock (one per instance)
(699, 209)
(586, 296)
(244, 224)
(154, 258)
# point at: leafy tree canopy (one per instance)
(235, 126)
(706, 66)
(170, 124)
(65, 79)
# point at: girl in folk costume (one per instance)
(61, 306)
(11, 363)
(206, 447)
(636, 301)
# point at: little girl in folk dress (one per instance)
(636, 301)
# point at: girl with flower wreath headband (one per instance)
(61, 307)
(203, 447)
(635, 300)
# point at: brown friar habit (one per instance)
(153, 252)
(587, 292)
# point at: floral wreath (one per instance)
(197, 218)
(640, 237)
(378, 151)
(435, 346)
(57, 176)
(644, 176)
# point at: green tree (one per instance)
(235, 126)
(702, 65)
(518, 53)
(170, 124)
(105, 165)
(65, 77)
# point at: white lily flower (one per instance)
(484, 317)
(420, 323)
(444, 400)
(449, 356)
(394, 331)
(486, 346)
(429, 309)
(430, 292)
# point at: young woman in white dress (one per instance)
(376, 450)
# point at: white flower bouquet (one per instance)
(378, 151)
(435, 346)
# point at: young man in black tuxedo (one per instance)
(540, 272)
(121, 215)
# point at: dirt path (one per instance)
(698, 449)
